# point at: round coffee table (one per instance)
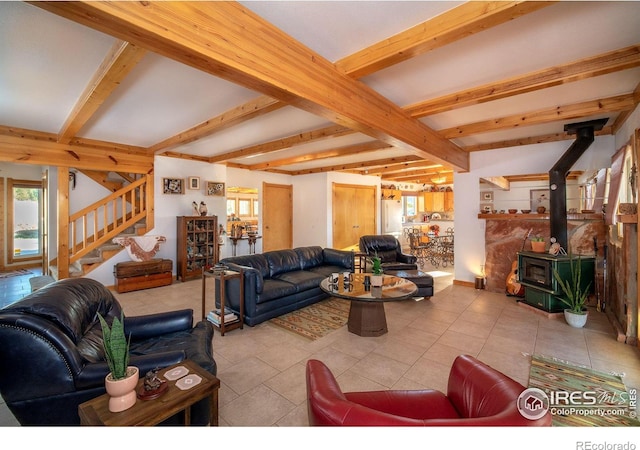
(366, 313)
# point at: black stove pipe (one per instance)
(558, 176)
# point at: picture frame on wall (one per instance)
(539, 197)
(215, 188)
(173, 186)
(194, 182)
(486, 196)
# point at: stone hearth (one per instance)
(505, 237)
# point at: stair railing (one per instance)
(103, 220)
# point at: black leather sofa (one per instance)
(51, 354)
(281, 281)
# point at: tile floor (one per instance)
(262, 368)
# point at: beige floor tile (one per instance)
(382, 370)
(247, 374)
(260, 406)
(460, 341)
(290, 383)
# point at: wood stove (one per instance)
(542, 291)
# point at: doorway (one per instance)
(24, 221)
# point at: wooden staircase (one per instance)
(88, 236)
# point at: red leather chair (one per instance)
(477, 395)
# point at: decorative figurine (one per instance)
(203, 209)
(153, 387)
(196, 211)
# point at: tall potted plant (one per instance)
(575, 295)
(121, 382)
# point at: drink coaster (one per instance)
(188, 382)
(176, 372)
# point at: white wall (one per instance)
(539, 158)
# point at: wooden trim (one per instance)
(11, 183)
(63, 223)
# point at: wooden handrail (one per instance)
(101, 221)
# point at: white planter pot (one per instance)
(576, 320)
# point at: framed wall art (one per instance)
(539, 198)
(486, 196)
(194, 182)
(173, 185)
(215, 188)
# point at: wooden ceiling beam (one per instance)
(403, 167)
(348, 150)
(450, 26)
(23, 150)
(119, 61)
(614, 61)
(355, 166)
(554, 114)
(230, 41)
(247, 111)
(332, 131)
(553, 137)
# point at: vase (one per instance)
(376, 280)
(537, 246)
(574, 319)
(122, 392)
(541, 209)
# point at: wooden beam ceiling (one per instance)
(261, 57)
(448, 27)
(601, 64)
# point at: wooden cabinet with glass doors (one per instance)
(197, 245)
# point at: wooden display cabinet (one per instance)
(197, 245)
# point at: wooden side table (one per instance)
(222, 277)
(151, 412)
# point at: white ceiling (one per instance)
(47, 61)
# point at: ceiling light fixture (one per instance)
(439, 179)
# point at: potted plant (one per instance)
(121, 382)
(537, 244)
(575, 295)
(376, 269)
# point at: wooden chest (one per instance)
(134, 275)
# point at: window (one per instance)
(24, 220)
(410, 205)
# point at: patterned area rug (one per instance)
(15, 273)
(317, 320)
(606, 392)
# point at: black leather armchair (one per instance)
(51, 354)
(388, 249)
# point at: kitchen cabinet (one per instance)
(391, 193)
(438, 201)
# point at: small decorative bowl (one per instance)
(513, 211)
(525, 211)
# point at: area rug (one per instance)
(317, 320)
(15, 273)
(599, 399)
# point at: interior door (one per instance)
(354, 213)
(277, 216)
